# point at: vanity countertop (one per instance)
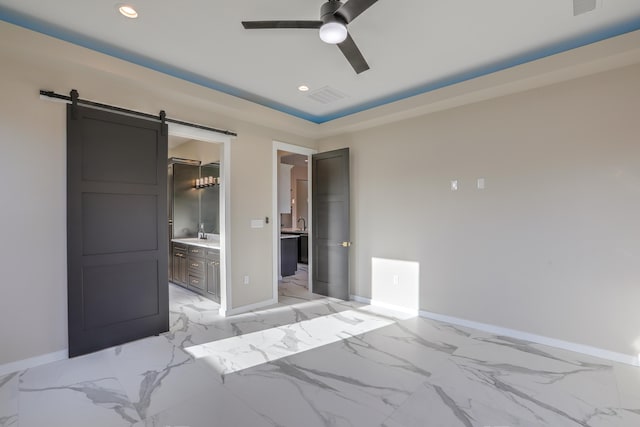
(289, 236)
(205, 243)
(293, 231)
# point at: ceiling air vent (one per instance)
(583, 6)
(327, 95)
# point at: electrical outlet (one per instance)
(246, 280)
(396, 279)
(454, 185)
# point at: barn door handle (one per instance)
(346, 244)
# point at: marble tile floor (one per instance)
(245, 351)
(408, 372)
(301, 278)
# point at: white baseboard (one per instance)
(381, 304)
(247, 308)
(512, 333)
(21, 365)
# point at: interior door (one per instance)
(117, 245)
(330, 213)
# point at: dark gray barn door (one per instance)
(116, 229)
(330, 238)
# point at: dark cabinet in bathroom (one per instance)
(288, 255)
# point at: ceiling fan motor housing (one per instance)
(332, 27)
(328, 12)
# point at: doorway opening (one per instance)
(292, 268)
(199, 220)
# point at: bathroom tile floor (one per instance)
(315, 361)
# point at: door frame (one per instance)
(295, 149)
(224, 141)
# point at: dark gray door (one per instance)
(116, 229)
(330, 209)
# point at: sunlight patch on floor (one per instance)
(245, 351)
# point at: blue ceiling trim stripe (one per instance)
(99, 46)
(563, 46)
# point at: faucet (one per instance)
(304, 223)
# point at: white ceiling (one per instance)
(412, 46)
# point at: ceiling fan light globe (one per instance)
(333, 32)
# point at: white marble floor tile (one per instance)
(300, 279)
(544, 370)
(9, 400)
(390, 422)
(437, 332)
(186, 332)
(191, 317)
(157, 375)
(430, 333)
(630, 418)
(179, 295)
(213, 407)
(612, 417)
(496, 382)
(202, 313)
(291, 397)
(197, 308)
(189, 328)
(399, 347)
(316, 361)
(248, 350)
(430, 406)
(540, 352)
(77, 392)
(374, 376)
(354, 376)
(628, 381)
(295, 290)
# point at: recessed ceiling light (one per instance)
(128, 11)
(303, 88)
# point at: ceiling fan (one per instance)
(334, 18)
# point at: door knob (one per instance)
(346, 244)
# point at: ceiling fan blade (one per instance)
(353, 55)
(260, 25)
(352, 8)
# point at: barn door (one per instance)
(116, 229)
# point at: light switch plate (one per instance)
(454, 185)
(480, 183)
(257, 223)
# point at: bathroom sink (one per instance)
(294, 231)
(209, 243)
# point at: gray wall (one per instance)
(33, 292)
(551, 246)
